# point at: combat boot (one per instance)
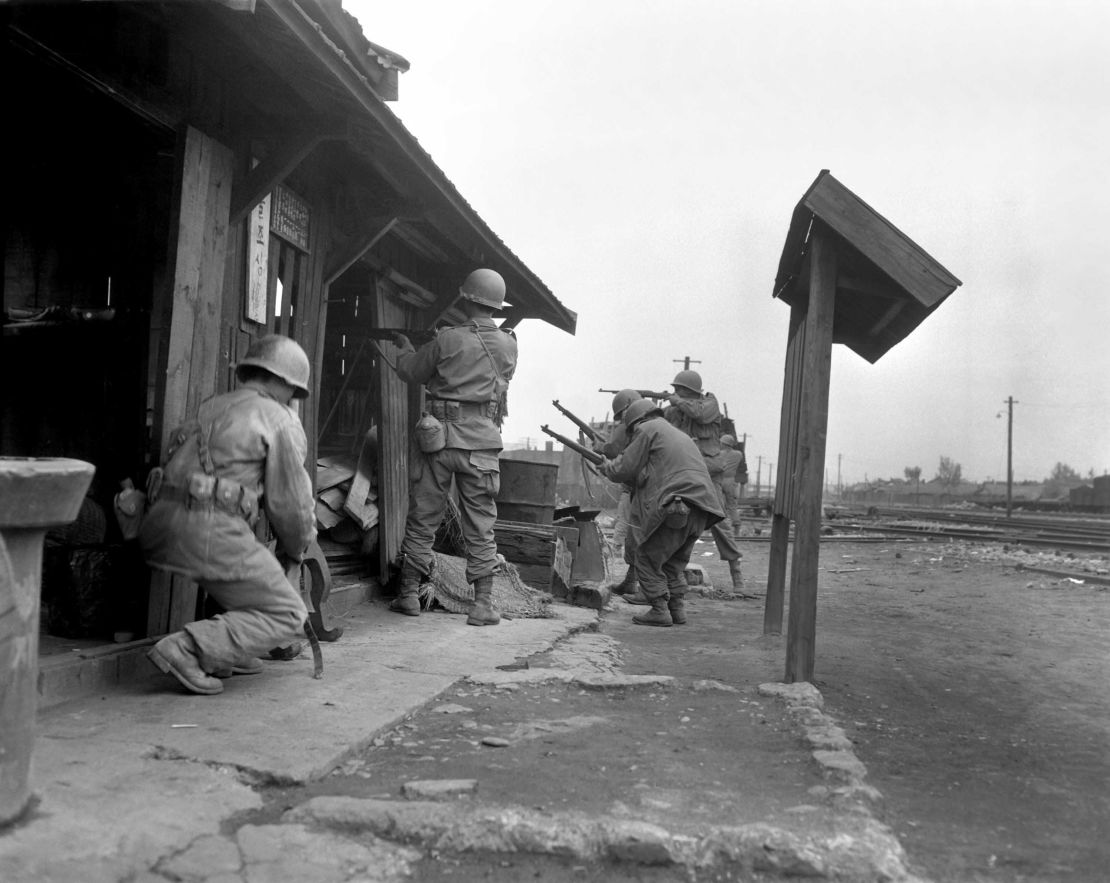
(738, 580)
(626, 586)
(245, 666)
(637, 597)
(482, 611)
(176, 655)
(737, 577)
(677, 606)
(408, 600)
(659, 614)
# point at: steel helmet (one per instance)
(484, 287)
(623, 399)
(281, 356)
(638, 410)
(689, 379)
(729, 440)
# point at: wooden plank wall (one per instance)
(194, 334)
(198, 281)
(307, 325)
(393, 450)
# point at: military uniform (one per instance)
(243, 454)
(662, 465)
(611, 448)
(466, 371)
(700, 418)
(734, 475)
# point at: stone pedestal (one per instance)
(35, 495)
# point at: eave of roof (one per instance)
(529, 295)
(886, 283)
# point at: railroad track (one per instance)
(1065, 533)
(1073, 534)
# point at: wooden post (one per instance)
(784, 496)
(193, 350)
(776, 575)
(802, 626)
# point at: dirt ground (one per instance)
(975, 693)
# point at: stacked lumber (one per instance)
(347, 508)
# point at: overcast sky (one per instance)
(643, 158)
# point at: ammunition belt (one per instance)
(210, 492)
(451, 411)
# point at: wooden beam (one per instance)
(802, 625)
(889, 316)
(193, 350)
(339, 264)
(249, 189)
(165, 116)
(783, 508)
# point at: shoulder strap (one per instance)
(501, 387)
(204, 436)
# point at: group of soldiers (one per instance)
(243, 454)
(679, 476)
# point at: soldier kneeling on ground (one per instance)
(243, 454)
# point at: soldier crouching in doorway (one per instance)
(673, 502)
(243, 454)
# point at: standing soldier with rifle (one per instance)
(734, 475)
(673, 502)
(698, 415)
(241, 456)
(466, 370)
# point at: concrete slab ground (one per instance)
(126, 777)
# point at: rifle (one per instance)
(590, 432)
(592, 456)
(644, 393)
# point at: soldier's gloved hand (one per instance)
(401, 342)
(674, 398)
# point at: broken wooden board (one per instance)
(331, 471)
(358, 504)
(326, 517)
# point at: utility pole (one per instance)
(686, 362)
(839, 486)
(1010, 456)
(758, 474)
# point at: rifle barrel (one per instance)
(593, 456)
(581, 424)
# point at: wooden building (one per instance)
(184, 177)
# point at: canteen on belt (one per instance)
(431, 436)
